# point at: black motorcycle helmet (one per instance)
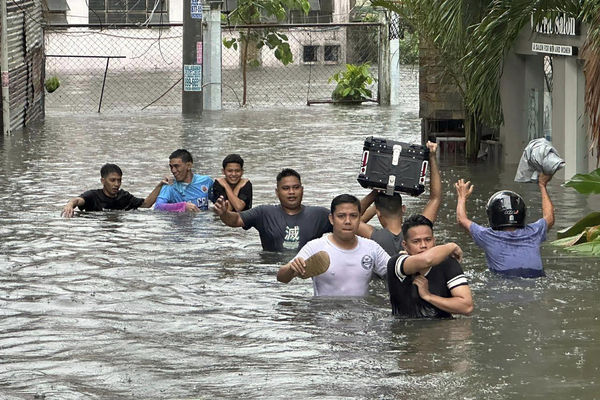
(506, 209)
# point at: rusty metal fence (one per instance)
(133, 69)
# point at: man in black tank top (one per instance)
(389, 210)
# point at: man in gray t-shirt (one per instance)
(288, 225)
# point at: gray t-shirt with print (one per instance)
(279, 231)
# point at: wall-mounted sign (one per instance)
(196, 9)
(192, 78)
(199, 53)
(561, 25)
(558, 49)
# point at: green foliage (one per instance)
(409, 48)
(250, 12)
(589, 220)
(586, 183)
(584, 235)
(352, 83)
(52, 84)
(256, 12)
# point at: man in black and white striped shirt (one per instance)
(427, 281)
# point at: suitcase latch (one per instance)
(389, 190)
(396, 150)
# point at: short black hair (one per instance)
(183, 154)
(108, 169)
(343, 199)
(287, 172)
(388, 205)
(233, 158)
(415, 220)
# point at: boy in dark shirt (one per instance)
(111, 196)
(234, 188)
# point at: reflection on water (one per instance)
(152, 305)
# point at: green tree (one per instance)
(257, 12)
(473, 37)
(447, 27)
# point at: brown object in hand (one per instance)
(316, 264)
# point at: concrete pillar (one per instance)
(568, 118)
(383, 73)
(212, 57)
(513, 133)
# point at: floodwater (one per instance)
(152, 305)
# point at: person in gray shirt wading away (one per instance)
(389, 210)
(289, 225)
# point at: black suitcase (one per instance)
(393, 167)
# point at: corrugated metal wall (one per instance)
(25, 61)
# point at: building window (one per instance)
(331, 53)
(56, 12)
(310, 54)
(128, 11)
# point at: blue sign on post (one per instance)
(192, 78)
(196, 9)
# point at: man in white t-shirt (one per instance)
(353, 259)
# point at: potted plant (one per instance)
(352, 84)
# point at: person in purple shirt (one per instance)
(189, 192)
(511, 247)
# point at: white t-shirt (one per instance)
(350, 271)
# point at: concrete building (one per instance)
(542, 91)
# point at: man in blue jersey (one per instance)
(189, 192)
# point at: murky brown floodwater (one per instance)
(150, 305)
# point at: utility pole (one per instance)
(191, 99)
(4, 70)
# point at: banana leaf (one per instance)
(570, 241)
(589, 248)
(586, 183)
(591, 219)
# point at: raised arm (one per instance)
(463, 190)
(149, 201)
(547, 206)
(429, 258)
(367, 212)
(229, 218)
(435, 189)
(365, 202)
(69, 208)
